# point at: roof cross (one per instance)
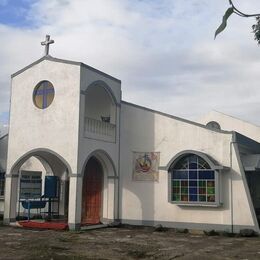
(47, 42)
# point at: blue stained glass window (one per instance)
(180, 174)
(193, 180)
(193, 175)
(209, 175)
(193, 165)
(193, 198)
(193, 183)
(193, 158)
(193, 190)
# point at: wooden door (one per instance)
(92, 192)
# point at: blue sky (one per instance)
(163, 51)
(15, 12)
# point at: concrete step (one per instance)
(91, 227)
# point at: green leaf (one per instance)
(224, 21)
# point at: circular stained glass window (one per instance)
(43, 94)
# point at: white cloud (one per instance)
(163, 51)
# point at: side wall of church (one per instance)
(144, 202)
(54, 128)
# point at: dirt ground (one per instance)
(122, 243)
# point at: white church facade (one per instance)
(120, 162)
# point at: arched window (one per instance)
(213, 125)
(193, 181)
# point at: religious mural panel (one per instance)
(146, 166)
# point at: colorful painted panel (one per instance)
(146, 166)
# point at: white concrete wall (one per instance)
(145, 131)
(54, 128)
(230, 123)
(90, 146)
(86, 145)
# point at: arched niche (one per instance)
(100, 103)
(100, 112)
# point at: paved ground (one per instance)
(122, 243)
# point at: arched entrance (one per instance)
(92, 192)
(99, 195)
(52, 164)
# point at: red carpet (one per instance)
(44, 225)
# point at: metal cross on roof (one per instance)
(47, 43)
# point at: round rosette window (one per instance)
(43, 94)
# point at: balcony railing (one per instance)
(98, 129)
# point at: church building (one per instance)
(77, 151)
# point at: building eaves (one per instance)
(2, 137)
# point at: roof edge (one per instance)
(3, 136)
(176, 118)
(245, 141)
(50, 58)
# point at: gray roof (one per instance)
(3, 136)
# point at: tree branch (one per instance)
(240, 13)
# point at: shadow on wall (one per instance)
(139, 185)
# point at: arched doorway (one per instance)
(92, 192)
(51, 164)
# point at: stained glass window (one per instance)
(43, 94)
(193, 181)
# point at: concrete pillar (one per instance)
(75, 202)
(116, 199)
(111, 199)
(11, 184)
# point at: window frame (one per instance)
(216, 203)
(30, 183)
(46, 90)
